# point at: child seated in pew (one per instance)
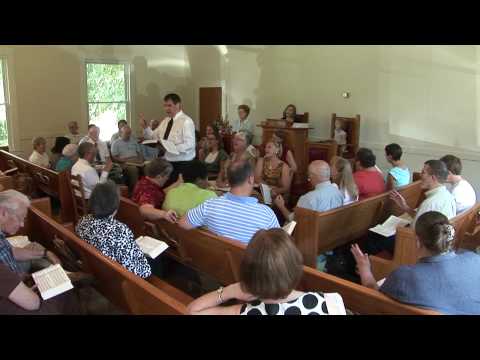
(399, 175)
(442, 280)
(111, 237)
(270, 271)
(39, 155)
(460, 188)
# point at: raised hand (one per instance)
(170, 216)
(363, 261)
(108, 165)
(143, 122)
(399, 199)
(279, 201)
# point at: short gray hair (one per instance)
(11, 200)
(38, 140)
(70, 150)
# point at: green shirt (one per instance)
(185, 197)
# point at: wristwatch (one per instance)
(220, 294)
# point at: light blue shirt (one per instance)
(125, 149)
(400, 176)
(445, 283)
(235, 217)
(326, 196)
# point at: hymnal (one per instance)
(334, 304)
(151, 247)
(289, 227)
(389, 227)
(266, 193)
(52, 281)
(149, 142)
(19, 241)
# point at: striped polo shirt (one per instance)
(232, 216)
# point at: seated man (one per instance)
(192, 192)
(118, 135)
(236, 214)
(126, 149)
(93, 137)
(324, 197)
(437, 198)
(73, 134)
(460, 188)
(369, 179)
(39, 155)
(83, 167)
(149, 193)
(15, 296)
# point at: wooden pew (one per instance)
(48, 181)
(6, 183)
(124, 289)
(129, 213)
(317, 232)
(220, 258)
(405, 252)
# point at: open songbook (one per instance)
(289, 227)
(266, 193)
(169, 147)
(334, 304)
(52, 281)
(149, 142)
(139, 164)
(389, 227)
(381, 281)
(151, 247)
(19, 241)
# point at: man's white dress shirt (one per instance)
(182, 135)
(89, 176)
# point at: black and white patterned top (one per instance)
(310, 303)
(116, 241)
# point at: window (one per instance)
(108, 96)
(3, 103)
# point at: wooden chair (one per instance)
(124, 289)
(352, 128)
(77, 193)
(405, 251)
(220, 258)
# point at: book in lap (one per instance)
(289, 227)
(389, 227)
(151, 247)
(149, 142)
(19, 241)
(266, 193)
(52, 281)
(334, 304)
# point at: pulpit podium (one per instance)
(296, 138)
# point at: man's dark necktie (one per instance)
(99, 159)
(169, 128)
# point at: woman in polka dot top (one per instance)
(270, 271)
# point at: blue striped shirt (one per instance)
(232, 216)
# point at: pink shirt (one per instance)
(369, 183)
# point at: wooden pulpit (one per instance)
(296, 139)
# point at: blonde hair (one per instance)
(344, 178)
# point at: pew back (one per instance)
(121, 287)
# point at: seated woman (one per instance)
(342, 176)
(241, 144)
(369, 179)
(215, 157)
(270, 272)
(149, 193)
(399, 174)
(442, 280)
(192, 192)
(286, 154)
(69, 157)
(202, 144)
(111, 237)
(39, 155)
(290, 113)
(244, 123)
(272, 171)
(60, 143)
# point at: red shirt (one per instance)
(147, 192)
(369, 183)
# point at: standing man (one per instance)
(93, 137)
(177, 128)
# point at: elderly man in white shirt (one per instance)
(462, 191)
(83, 167)
(179, 129)
(101, 146)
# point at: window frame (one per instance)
(127, 69)
(6, 95)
